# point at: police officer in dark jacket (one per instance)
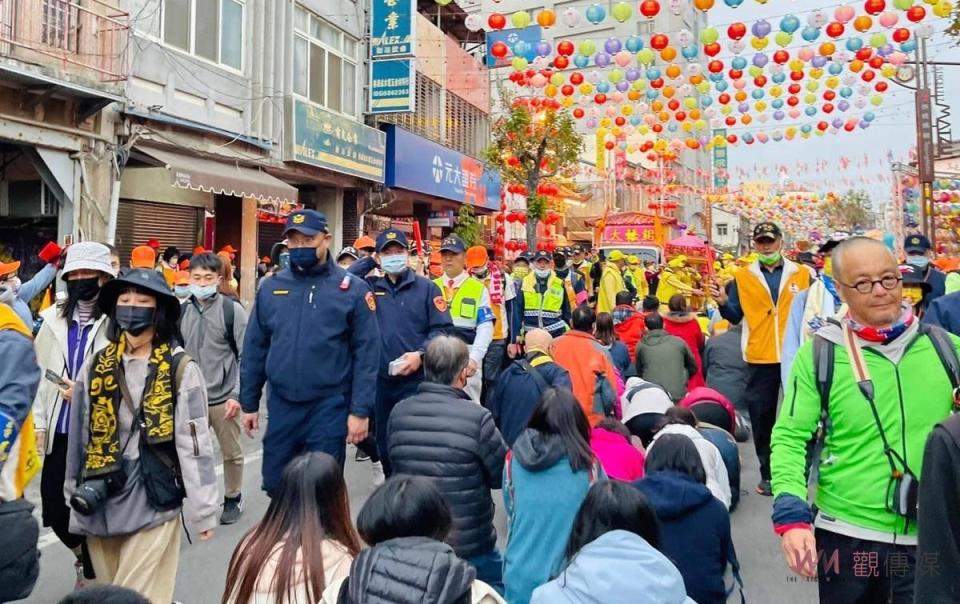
(411, 311)
(919, 253)
(313, 335)
(442, 434)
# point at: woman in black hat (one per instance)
(139, 448)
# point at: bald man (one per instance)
(522, 384)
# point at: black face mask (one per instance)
(83, 289)
(134, 319)
(559, 261)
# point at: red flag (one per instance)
(418, 238)
(711, 258)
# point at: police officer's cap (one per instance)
(542, 255)
(577, 249)
(767, 230)
(391, 236)
(308, 222)
(453, 243)
(562, 251)
(524, 257)
(348, 251)
(916, 243)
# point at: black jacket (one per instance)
(939, 523)
(410, 570)
(441, 434)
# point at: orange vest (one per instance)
(764, 323)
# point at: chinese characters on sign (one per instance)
(392, 86)
(720, 161)
(335, 142)
(629, 234)
(392, 28)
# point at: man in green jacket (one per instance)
(664, 359)
(860, 543)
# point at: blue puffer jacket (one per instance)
(517, 394)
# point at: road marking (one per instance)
(49, 538)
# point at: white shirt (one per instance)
(483, 323)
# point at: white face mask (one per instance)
(543, 273)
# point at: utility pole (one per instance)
(925, 143)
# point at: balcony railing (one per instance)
(85, 38)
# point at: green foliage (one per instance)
(854, 209)
(468, 227)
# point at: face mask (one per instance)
(918, 261)
(182, 291)
(559, 262)
(7, 295)
(303, 258)
(393, 264)
(519, 272)
(202, 292)
(828, 266)
(480, 273)
(134, 319)
(542, 273)
(84, 289)
(769, 259)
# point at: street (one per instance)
(203, 565)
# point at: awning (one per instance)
(221, 177)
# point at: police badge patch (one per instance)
(440, 303)
(371, 301)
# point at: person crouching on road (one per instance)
(139, 449)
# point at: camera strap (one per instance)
(128, 401)
(861, 376)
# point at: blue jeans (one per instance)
(489, 568)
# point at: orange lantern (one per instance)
(546, 18)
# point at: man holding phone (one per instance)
(411, 312)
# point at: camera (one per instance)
(91, 494)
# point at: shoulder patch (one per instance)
(371, 301)
(440, 304)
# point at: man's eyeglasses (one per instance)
(865, 286)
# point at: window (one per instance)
(722, 230)
(59, 25)
(211, 29)
(324, 63)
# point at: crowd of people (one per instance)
(603, 398)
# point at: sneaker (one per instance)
(232, 508)
(764, 488)
(361, 456)
(378, 476)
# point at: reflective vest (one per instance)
(544, 311)
(464, 305)
(765, 323)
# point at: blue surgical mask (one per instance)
(303, 258)
(393, 264)
(202, 292)
(920, 262)
(542, 273)
(182, 291)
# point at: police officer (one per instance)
(313, 336)
(580, 264)
(573, 281)
(411, 311)
(544, 300)
(469, 303)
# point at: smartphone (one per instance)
(56, 379)
(285, 260)
(396, 365)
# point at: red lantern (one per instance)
(620, 120)
(600, 98)
(680, 116)
(724, 98)
(673, 104)
(876, 62)
(874, 7)
(794, 89)
(576, 78)
(656, 84)
(499, 49)
(881, 86)
(578, 113)
(735, 74)
(497, 21)
(849, 126)
(523, 219)
(731, 121)
(567, 90)
(796, 76)
(512, 161)
(781, 57)
(659, 41)
(793, 101)
(916, 13)
(524, 246)
(828, 108)
(715, 66)
(829, 95)
(649, 8)
(822, 126)
(608, 145)
(835, 29)
(760, 81)
(561, 62)
(565, 48)
(711, 50)
(868, 76)
(864, 53)
(658, 128)
(901, 35)
(736, 31)
(732, 139)
(500, 230)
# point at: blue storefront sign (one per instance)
(392, 86)
(392, 28)
(530, 36)
(335, 142)
(417, 164)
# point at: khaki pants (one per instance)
(145, 562)
(228, 434)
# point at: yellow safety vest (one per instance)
(464, 306)
(543, 311)
(764, 323)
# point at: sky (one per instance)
(893, 131)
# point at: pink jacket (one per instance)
(620, 459)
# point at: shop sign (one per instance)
(530, 36)
(335, 142)
(629, 234)
(392, 86)
(392, 28)
(417, 164)
(720, 161)
(440, 219)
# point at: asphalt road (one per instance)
(203, 565)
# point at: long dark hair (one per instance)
(675, 453)
(559, 413)
(310, 506)
(166, 324)
(404, 506)
(70, 305)
(603, 330)
(612, 505)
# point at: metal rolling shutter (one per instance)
(139, 221)
(268, 233)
